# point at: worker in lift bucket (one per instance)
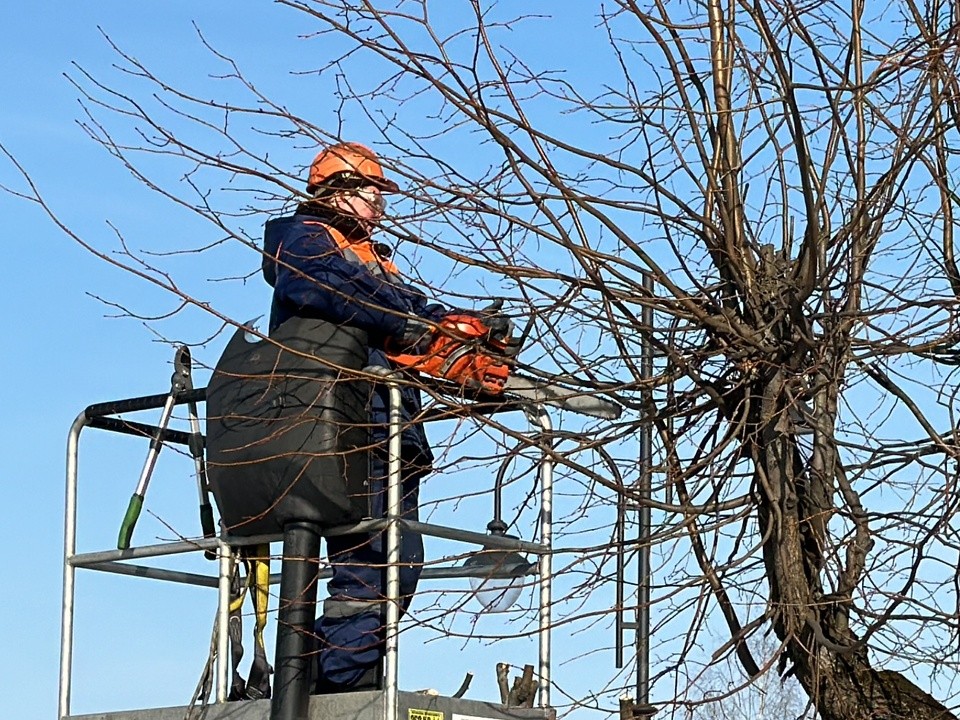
(328, 267)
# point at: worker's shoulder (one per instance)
(290, 240)
(296, 223)
(290, 231)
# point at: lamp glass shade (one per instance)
(498, 578)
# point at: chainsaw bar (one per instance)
(546, 393)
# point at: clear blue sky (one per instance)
(138, 644)
(64, 354)
(141, 644)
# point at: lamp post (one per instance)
(640, 707)
(645, 491)
(497, 575)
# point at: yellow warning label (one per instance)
(413, 714)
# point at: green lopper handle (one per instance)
(129, 520)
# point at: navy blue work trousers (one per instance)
(350, 629)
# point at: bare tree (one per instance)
(782, 170)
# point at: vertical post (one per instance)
(69, 571)
(645, 482)
(295, 619)
(394, 486)
(224, 659)
(546, 560)
(619, 538)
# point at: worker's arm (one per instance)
(314, 277)
(434, 312)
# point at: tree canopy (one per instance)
(774, 180)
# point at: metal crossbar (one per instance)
(117, 561)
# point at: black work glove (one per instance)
(499, 325)
(416, 339)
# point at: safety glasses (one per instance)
(373, 197)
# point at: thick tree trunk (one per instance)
(827, 658)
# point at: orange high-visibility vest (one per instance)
(360, 252)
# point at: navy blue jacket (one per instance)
(314, 278)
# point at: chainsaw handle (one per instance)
(465, 325)
(450, 330)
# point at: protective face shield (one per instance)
(372, 197)
(359, 208)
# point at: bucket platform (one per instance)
(388, 703)
(369, 705)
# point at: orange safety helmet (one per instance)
(348, 159)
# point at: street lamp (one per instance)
(497, 574)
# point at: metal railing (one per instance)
(118, 561)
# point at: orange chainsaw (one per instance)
(466, 355)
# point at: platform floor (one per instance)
(346, 706)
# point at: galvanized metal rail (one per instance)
(118, 561)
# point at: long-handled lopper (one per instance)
(180, 383)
